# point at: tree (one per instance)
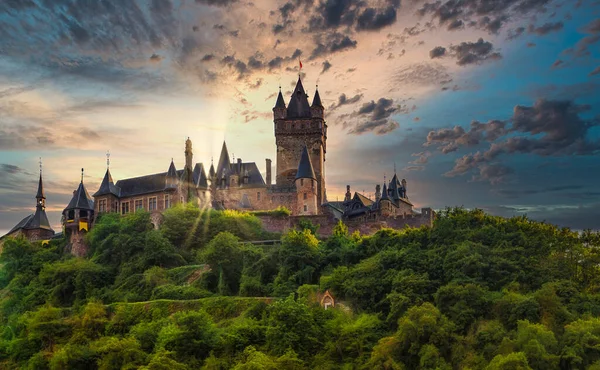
(224, 255)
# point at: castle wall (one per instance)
(327, 222)
(261, 198)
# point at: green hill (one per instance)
(473, 292)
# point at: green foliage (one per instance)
(473, 292)
(280, 212)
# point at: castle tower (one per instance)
(297, 126)
(187, 186)
(39, 226)
(306, 186)
(78, 218)
(106, 199)
(385, 204)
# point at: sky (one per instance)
(491, 104)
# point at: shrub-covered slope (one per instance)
(473, 292)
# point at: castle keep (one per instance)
(301, 140)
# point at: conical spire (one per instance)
(107, 186)
(211, 171)
(172, 172)
(305, 167)
(384, 193)
(317, 99)
(280, 102)
(224, 161)
(298, 106)
(40, 191)
(81, 198)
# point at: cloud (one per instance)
(326, 66)
(546, 28)
(595, 72)
(343, 100)
(581, 48)
(421, 74)
(155, 58)
(437, 52)
(372, 19)
(515, 33)
(374, 116)
(548, 128)
(333, 43)
(489, 15)
(474, 52)
(518, 193)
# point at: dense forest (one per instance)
(473, 292)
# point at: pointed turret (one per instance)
(298, 106)
(224, 164)
(107, 186)
(305, 167)
(40, 192)
(171, 179)
(384, 193)
(317, 100)
(280, 102)
(211, 171)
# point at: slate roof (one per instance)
(317, 100)
(384, 193)
(224, 164)
(211, 171)
(199, 176)
(37, 220)
(298, 106)
(364, 200)
(144, 184)
(305, 167)
(280, 103)
(107, 186)
(40, 191)
(81, 199)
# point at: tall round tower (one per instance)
(306, 186)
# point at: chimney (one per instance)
(268, 171)
(239, 164)
(377, 192)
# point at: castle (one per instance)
(301, 140)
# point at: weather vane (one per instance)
(40, 165)
(81, 174)
(107, 159)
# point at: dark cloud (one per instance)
(548, 128)
(155, 58)
(374, 117)
(489, 15)
(373, 19)
(326, 66)
(207, 58)
(12, 169)
(278, 61)
(515, 33)
(343, 100)
(546, 28)
(437, 52)
(557, 64)
(474, 52)
(332, 43)
(595, 72)
(492, 173)
(456, 24)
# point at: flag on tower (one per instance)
(300, 63)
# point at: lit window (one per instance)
(124, 208)
(102, 205)
(139, 204)
(152, 204)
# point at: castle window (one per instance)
(301, 182)
(167, 201)
(305, 208)
(305, 196)
(102, 205)
(258, 195)
(82, 213)
(152, 204)
(138, 204)
(124, 208)
(71, 215)
(233, 181)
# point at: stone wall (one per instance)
(328, 222)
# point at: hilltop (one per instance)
(473, 291)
